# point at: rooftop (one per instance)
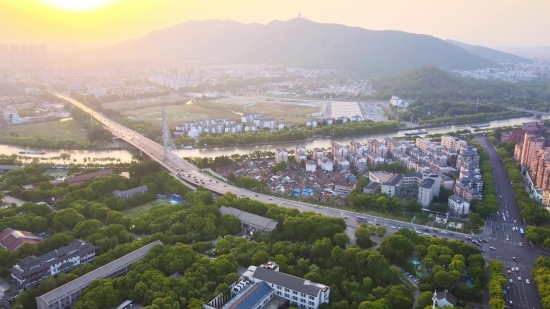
(282, 279)
(83, 177)
(249, 218)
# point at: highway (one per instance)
(510, 244)
(521, 294)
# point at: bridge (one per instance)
(177, 166)
(529, 111)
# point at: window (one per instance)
(286, 295)
(311, 297)
(303, 294)
(287, 290)
(278, 287)
(294, 298)
(294, 293)
(311, 303)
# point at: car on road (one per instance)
(511, 303)
(514, 258)
(418, 232)
(256, 195)
(224, 185)
(507, 267)
(521, 244)
(482, 250)
(527, 281)
(492, 248)
(519, 278)
(242, 194)
(511, 281)
(517, 268)
(271, 199)
(509, 272)
(345, 217)
(426, 234)
(485, 240)
(515, 221)
(393, 227)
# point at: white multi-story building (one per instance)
(458, 205)
(258, 285)
(281, 155)
(341, 163)
(339, 149)
(452, 142)
(378, 148)
(426, 184)
(300, 154)
(311, 166)
(396, 101)
(325, 163)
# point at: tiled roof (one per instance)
(250, 218)
(285, 280)
(80, 178)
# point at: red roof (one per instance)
(11, 239)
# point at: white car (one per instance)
(527, 281)
(393, 227)
(519, 278)
(511, 281)
(513, 228)
(517, 268)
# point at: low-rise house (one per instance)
(11, 239)
(250, 223)
(130, 192)
(84, 177)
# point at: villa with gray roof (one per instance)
(31, 270)
(66, 295)
(130, 192)
(250, 223)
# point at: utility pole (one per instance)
(477, 103)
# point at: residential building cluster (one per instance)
(532, 152)
(265, 286)
(326, 174)
(511, 72)
(43, 112)
(249, 123)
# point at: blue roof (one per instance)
(252, 300)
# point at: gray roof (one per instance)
(427, 183)
(250, 218)
(102, 272)
(9, 167)
(131, 192)
(394, 180)
(417, 175)
(457, 198)
(372, 185)
(285, 280)
(83, 177)
(392, 141)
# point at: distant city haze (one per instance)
(64, 26)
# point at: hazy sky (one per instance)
(488, 22)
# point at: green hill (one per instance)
(436, 93)
(298, 43)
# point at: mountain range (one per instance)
(492, 55)
(297, 42)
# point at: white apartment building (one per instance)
(396, 101)
(452, 142)
(300, 154)
(281, 155)
(311, 166)
(339, 149)
(458, 205)
(325, 163)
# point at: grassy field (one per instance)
(144, 208)
(67, 129)
(232, 108)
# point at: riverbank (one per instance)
(468, 122)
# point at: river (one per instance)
(126, 155)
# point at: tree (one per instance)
(425, 299)
(64, 157)
(475, 220)
(497, 303)
(396, 248)
(341, 240)
(381, 231)
(66, 219)
(362, 238)
(231, 224)
(260, 258)
(222, 247)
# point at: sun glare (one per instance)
(77, 5)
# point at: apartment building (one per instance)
(394, 146)
(453, 143)
(281, 155)
(531, 144)
(339, 149)
(376, 147)
(458, 205)
(425, 186)
(300, 154)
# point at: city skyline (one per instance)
(104, 22)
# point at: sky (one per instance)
(104, 22)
